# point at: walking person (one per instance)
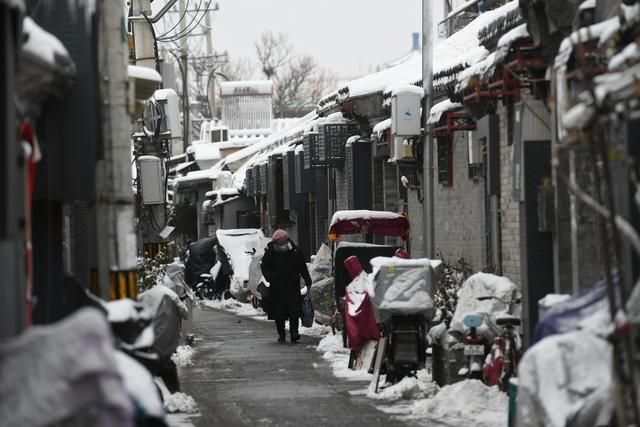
(282, 266)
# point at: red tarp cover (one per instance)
(394, 225)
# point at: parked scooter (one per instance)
(475, 348)
(403, 303)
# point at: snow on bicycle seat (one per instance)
(508, 319)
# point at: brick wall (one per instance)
(460, 211)
(509, 208)
(417, 224)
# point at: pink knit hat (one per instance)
(280, 236)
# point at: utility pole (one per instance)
(210, 90)
(115, 206)
(184, 55)
(427, 164)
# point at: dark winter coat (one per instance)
(202, 256)
(283, 271)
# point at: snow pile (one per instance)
(408, 388)
(467, 403)
(183, 356)
(315, 331)
(338, 357)
(233, 306)
(331, 343)
(180, 402)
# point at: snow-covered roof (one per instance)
(246, 87)
(204, 151)
(440, 108)
(601, 31)
(237, 232)
(267, 142)
(181, 166)
(222, 192)
(195, 176)
(349, 215)
(382, 126)
(381, 261)
(460, 50)
(626, 55)
(143, 73)
(221, 201)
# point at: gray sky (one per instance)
(350, 37)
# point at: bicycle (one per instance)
(503, 361)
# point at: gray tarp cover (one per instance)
(50, 373)
(403, 287)
(166, 309)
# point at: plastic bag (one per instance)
(307, 312)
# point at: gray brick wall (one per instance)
(510, 210)
(341, 190)
(460, 211)
(416, 220)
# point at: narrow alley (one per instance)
(241, 376)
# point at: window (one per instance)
(445, 161)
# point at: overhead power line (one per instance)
(182, 33)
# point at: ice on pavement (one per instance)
(180, 402)
(183, 356)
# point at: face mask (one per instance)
(281, 248)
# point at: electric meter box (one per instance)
(405, 111)
(151, 180)
(168, 99)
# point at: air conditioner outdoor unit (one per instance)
(151, 180)
(168, 99)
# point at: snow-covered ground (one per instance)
(466, 403)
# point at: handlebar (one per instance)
(513, 301)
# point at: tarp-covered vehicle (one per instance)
(330, 277)
(367, 224)
(242, 245)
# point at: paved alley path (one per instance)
(242, 377)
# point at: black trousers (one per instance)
(293, 326)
